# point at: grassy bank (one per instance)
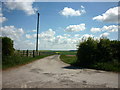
(16, 60)
(68, 59)
(107, 66)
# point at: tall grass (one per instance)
(15, 60)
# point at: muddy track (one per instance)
(50, 72)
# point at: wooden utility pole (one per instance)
(118, 22)
(37, 32)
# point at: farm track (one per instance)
(51, 72)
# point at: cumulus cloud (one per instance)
(47, 34)
(17, 35)
(12, 32)
(111, 28)
(34, 30)
(72, 12)
(66, 35)
(2, 18)
(25, 6)
(28, 36)
(47, 39)
(86, 36)
(110, 15)
(104, 35)
(77, 35)
(94, 30)
(74, 28)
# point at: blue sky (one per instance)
(62, 25)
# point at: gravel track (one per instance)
(51, 72)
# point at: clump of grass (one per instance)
(15, 60)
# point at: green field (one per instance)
(63, 52)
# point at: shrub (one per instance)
(104, 50)
(86, 54)
(7, 46)
(91, 52)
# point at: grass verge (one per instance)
(106, 66)
(68, 59)
(16, 60)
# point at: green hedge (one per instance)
(98, 52)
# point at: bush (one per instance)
(86, 54)
(7, 46)
(91, 52)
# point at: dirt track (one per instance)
(50, 72)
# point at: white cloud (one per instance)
(82, 6)
(25, 6)
(2, 18)
(34, 30)
(77, 35)
(66, 35)
(17, 35)
(86, 36)
(110, 15)
(94, 30)
(71, 12)
(24, 44)
(47, 34)
(28, 36)
(47, 39)
(104, 35)
(74, 28)
(111, 28)
(12, 32)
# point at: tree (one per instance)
(104, 50)
(86, 54)
(7, 46)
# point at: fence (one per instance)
(28, 53)
(33, 53)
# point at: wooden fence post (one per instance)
(33, 53)
(23, 52)
(18, 51)
(39, 53)
(27, 52)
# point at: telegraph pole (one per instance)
(118, 22)
(37, 32)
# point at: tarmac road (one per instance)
(51, 72)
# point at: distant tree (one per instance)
(7, 46)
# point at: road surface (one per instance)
(50, 72)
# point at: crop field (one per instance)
(70, 52)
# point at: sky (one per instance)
(63, 25)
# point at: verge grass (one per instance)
(68, 59)
(16, 60)
(106, 66)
